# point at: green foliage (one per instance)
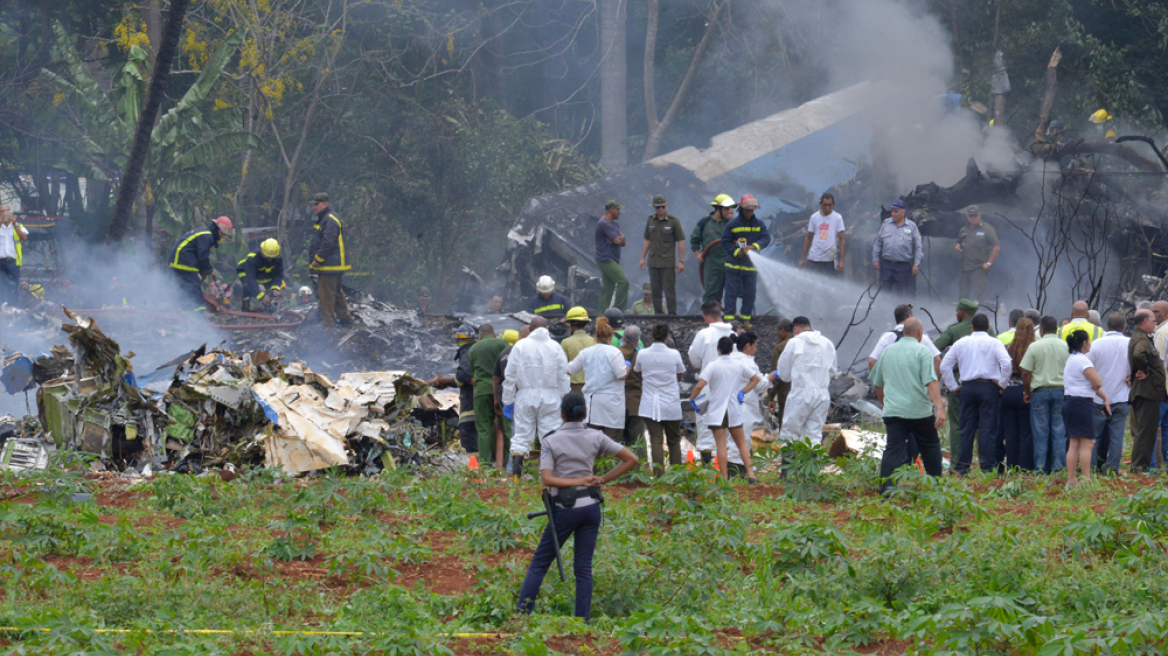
(803, 463)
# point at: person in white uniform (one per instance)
(729, 382)
(752, 408)
(535, 381)
(702, 351)
(808, 363)
(605, 371)
(661, 370)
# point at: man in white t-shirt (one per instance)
(901, 314)
(11, 234)
(823, 247)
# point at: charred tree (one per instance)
(613, 86)
(137, 160)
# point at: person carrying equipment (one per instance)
(190, 259)
(744, 233)
(261, 275)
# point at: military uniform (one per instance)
(641, 308)
(483, 356)
(709, 231)
(578, 341)
(663, 235)
(634, 424)
(778, 391)
(977, 243)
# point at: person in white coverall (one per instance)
(535, 381)
(808, 363)
(751, 407)
(702, 351)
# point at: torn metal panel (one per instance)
(310, 435)
(21, 454)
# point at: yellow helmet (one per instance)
(1100, 116)
(270, 248)
(577, 314)
(723, 200)
(718, 199)
(511, 335)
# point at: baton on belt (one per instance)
(547, 510)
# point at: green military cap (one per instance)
(612, 205)
(658, 200)
(647, 288)
(972, 209)
(967, 306)
(320, 198)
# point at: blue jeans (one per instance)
(585, 524)
(1163, 443)
(1109, 435)
(739, 284)
(1046, 422)
(980, 412)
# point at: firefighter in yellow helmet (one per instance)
(706, 243)
(577, 320)
(1103, 119)
(261, 275)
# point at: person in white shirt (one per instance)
(985, 369)
(1081, 386)
(605, 369)
(729, 383)
(535, 381)
(808, 363)
(1108, 355)
(661, 370)
(823, 247)
(702, 351)
(11, 232)
(747, 343)
(901, 314)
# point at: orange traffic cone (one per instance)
(689, 457)
(474, 462)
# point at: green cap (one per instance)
(658, 200)
(967, 306)
(972, 209)
(612, 205)
(647, 288)
(320, 198)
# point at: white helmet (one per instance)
(305, 290)
(545, 285)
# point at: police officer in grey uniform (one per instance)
(566, 469)
(897, 252)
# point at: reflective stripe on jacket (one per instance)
(192, 251)
(255, 270)
(19, 251)
(738, 230)
(328, 244)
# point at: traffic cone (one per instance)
(474, 462)
(689, 457)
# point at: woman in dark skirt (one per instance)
(1081, 384)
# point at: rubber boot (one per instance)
(516, 468)
(246, 305)
(707, 457)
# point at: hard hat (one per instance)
(718, 199)
(545, 285)
(270, 248)
(1054, 125)
(748, 202)
(465, 332)
(511, 335)
(723, 200)
(225, 226)
(1100, 116)
(577, 314)
(615, 316)
(304, 290)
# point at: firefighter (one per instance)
(329, 264)
(261, 275)
(190, 259)
(1102, 119)
(547, 303)
(463, 379)
(706, 243)
(744, 233)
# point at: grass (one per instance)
(684, 566)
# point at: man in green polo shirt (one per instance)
(663, 235)
(483, 356)
(966, 308)
(906, 383)
(1042, 387)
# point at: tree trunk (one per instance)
(651, 63)
(613, 86)
(151, 11)
(137, 161)
(1048, 96)
(653, 143)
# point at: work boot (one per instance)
(246, 305)
(707, 457)
(516, 468)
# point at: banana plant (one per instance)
(183, 143)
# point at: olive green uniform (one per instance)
(948, 337)
(709, 231)
(780, 389)
(641, 308)
(572, 345)
(977, 243)
(483, 356)
(663, 235)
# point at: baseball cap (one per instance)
(898, 204)
(612, 205)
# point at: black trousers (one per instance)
(1015, 441)
(981, 402)
(9, 282)
(900, 433)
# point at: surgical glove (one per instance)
(741, 396)
(628, 363)
(693, 404)
(509, 411)
(776, 374)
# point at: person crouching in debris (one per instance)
(605, 370)
(729, 383)
(463, 377)
(547, 302)
(565, 464)
(190, 259)
(483, 357)
(304, 296)
(261, 275)
(329, 264)
(536, 379)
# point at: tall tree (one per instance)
(614, 153)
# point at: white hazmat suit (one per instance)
(702, 351)
(536, 380)
(809, 363)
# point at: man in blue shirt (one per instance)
(609, 240)
(744, 233)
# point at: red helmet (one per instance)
(225, 226)
(748, 202)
